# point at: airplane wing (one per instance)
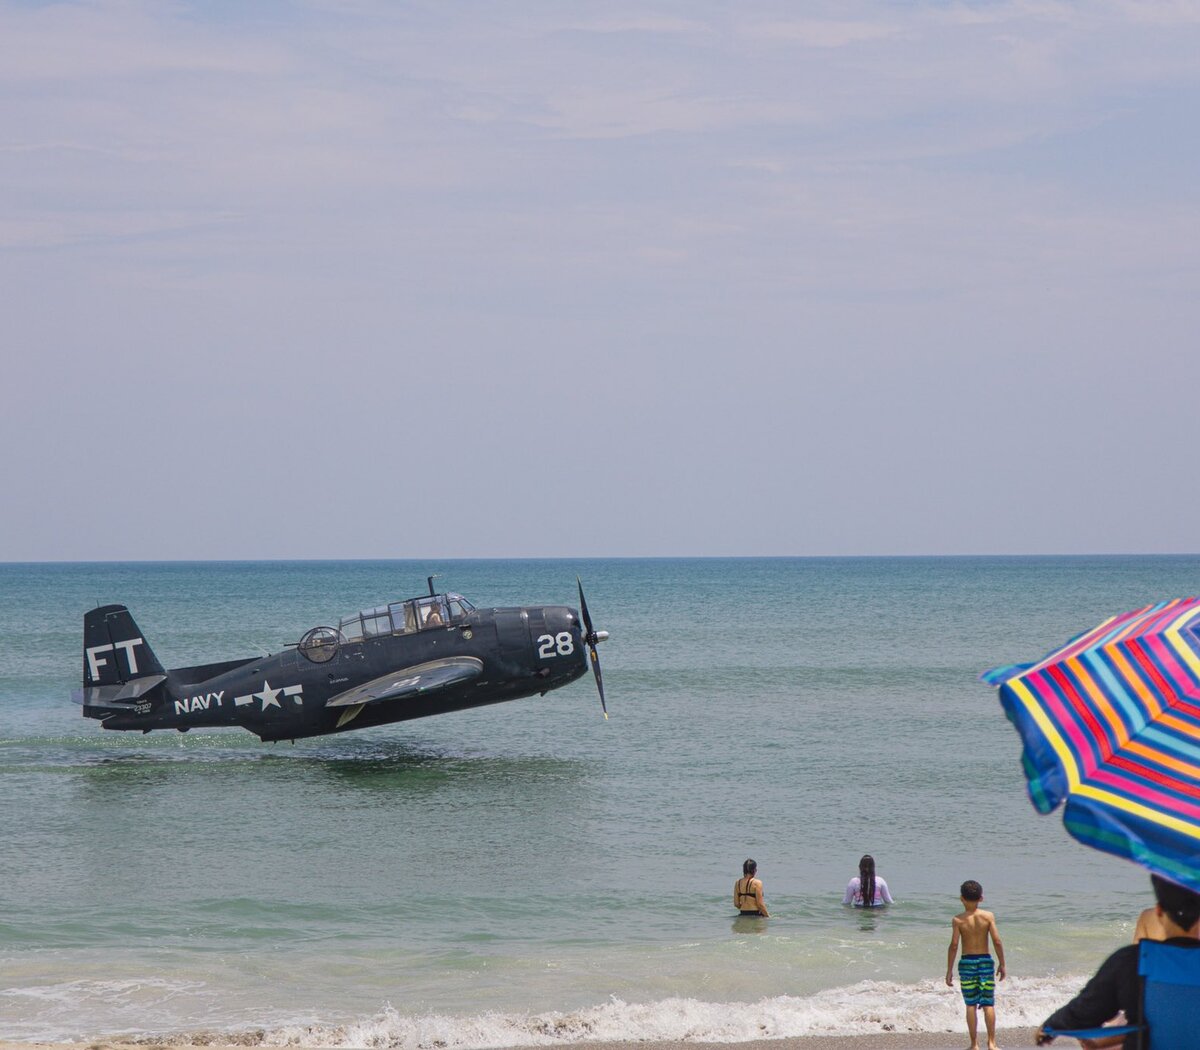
(411, 681)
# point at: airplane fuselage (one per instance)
(483, 656)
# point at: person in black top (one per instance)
(1116, 985)
(748, 892)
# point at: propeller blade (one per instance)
(591, 636)
(583, 609)
(599, 680)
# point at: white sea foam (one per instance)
(81, 1008)
(867, 1007)
(89, 1009)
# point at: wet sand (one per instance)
(1009, 1039)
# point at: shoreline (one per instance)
(1008, 1039)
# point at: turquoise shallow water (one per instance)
(532, 873)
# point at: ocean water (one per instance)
(530, 873)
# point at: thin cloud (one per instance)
(66, 43)
(645, 24)
(816, 33)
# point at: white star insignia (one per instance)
(269, 696)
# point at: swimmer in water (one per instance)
(748, 892)
(866, 889)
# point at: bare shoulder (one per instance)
(987, 916)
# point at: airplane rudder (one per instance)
(114, 650)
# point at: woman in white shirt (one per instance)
(866, 889)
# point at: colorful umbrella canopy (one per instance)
(1111, 724)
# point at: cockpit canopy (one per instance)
(416, 614)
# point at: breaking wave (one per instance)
(870, 1007)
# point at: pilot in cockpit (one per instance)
(433, 616)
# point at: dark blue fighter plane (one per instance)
(407, 659)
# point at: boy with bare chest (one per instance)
(976, 972)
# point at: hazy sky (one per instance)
(383, 279)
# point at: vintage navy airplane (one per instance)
(408, 659)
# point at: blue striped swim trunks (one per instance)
(977, 975)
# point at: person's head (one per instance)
(971, 892)
(866, 866)
(1176, 903)
(749, 867)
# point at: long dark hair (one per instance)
(749, 868)
(866, 879)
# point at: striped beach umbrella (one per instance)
(1110, 724)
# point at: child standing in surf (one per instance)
(976, 972)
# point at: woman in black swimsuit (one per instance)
(748, 892)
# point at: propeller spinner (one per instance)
(592, 636)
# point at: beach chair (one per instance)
(1170, 1000)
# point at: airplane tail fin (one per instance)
(120, 670)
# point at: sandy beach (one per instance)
(1009, 1039)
